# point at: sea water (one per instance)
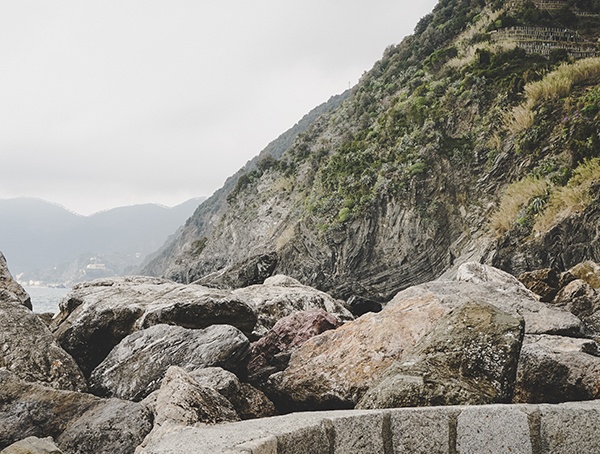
(46, 299)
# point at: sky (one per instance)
(106, 103)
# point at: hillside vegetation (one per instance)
(461, 142)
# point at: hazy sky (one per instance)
(106, 103)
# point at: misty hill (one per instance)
(474, 138)
(46, 242)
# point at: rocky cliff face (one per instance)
(413, 173)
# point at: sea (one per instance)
(46, 299)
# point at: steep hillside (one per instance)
(476, 137)
(46, 242)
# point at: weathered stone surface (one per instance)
(95, 425)
(248, 402)
(334, 369)
(182, 400)
(271, 353)
(359, 434)
(421, 430)
(33, 445)
(545, 283)
(136, 366)
(469, 358)
(588, 271)
(579, 298)
(273, 301)
(253, 270)
(97, 315)
(491, 430)
(28, 349)
(557, 369)
(11, 290)
(112, 426)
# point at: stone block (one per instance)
(572, 428)
(303, 440)
(493, 429)
(358, 434)
(422, 430)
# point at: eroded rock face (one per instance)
(469, 358)
(281, 296)
(253, 270)
(28, 349)
(80, 423)
(136, 366)
(271, 353)
(587, 271)
(11, 290)
(96, 316)
(556, 369)
(544, 282)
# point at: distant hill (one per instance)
(45, 242)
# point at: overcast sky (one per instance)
(105, 103)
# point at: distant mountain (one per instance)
(46, 242)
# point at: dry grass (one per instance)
(572, 198)
(555, 85)
(515, 198)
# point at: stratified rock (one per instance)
(279, 297)
(271, 353)
(556, 369)
(28, 349)
(98, 425)
(96, 316)
(360, 306)
(469, 358)
(249, 402)
(136, 366)
(544, 283)
(11, 290)
(253, 270)
(588, 271)
(33, 445)
(335, 368)
(579, 298)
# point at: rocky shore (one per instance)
(129, 362)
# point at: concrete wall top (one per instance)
(528, 429)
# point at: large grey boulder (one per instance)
(11, 290)
(96, 316)
(80, 423)
(336, 368)
(469, 358)
(28, 349)
(33, 445)
(555, 369)
(248, 402)
(251, 271)
(281, 296)
(136, 366)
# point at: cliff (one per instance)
(455, 146)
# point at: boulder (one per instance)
(335, 368)
(469, 358)
(11, 290)
(271, 353)
(96, 316)
(253, 270)
(588, 271)
(582, 300)
(544, 283)
(98, 425)
(136, 366)
(280, 296)
(33, 445)
(555, 369)
(248, 402)
(28, 349)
